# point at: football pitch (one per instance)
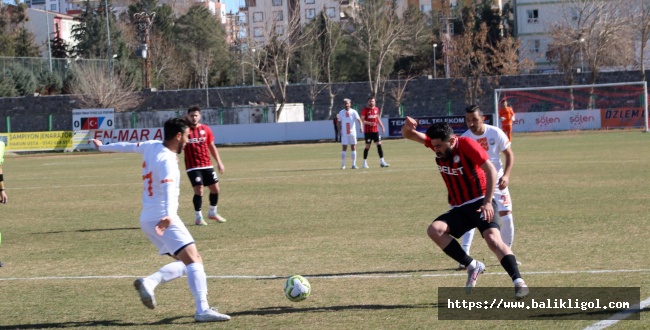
(72, 246)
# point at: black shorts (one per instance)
(372, 137)
(204, 176)
(463, 218)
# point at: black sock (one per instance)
(197, 200)
(509, 263)
(365, 154)
(214, 199)
(381, 152)
(455, 251)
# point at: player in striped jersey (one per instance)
(470, 178)
(199, 166)
(159, 218)
(370, 117)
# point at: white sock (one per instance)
(365, 162)
(472, 264)
(198, 285)
(213, 209)
(507, 229)
(198, 214)
(342, 158)
(518, 281)
(354, 157)
(467, 240)
(168, 272)
(382, 160)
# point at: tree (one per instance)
(378, 30)
(641, 21)
(585, 34)
(12, 30)
(276, 52)
(25, 45)
(58, 46)
(93, 87)
(91, 34)
(201, 41)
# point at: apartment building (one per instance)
(42, 22)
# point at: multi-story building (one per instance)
(42, 22)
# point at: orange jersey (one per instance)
(507, 114)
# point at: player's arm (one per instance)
(490, 179)
(409, 132)
(3, 195)
(215, 154)
(360, 124)
(115, 147)
(164, 173)
(507, 168)
(383, 130)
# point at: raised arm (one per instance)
(115, 147)
(409, 132)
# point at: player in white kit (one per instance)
(347, 121)
(159, 218)
(495, 142)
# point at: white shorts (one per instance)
(348, 139)
(173, 239)
(502, 197)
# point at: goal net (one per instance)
(576, 107)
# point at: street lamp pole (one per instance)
(108, 42)
(435, 68)
(255, 60)
(582, 63)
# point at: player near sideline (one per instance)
(470, 178)
(494, 142)
(3, 195)
(372, 121)
(348, 119)
(159, 218)
(199, 166)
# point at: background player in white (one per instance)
(495, 142)
(347, 121)
(159, 218)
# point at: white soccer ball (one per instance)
(297, 288)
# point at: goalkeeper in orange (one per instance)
(506, 116)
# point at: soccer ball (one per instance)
(297, 288)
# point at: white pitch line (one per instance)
(619, 316)
(271, 277)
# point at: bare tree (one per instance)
(641, 22)
(273, 56)
(397, 90)
(93, 87)
(379, 30)
(592, 34)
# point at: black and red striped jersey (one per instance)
(463, 175)
(371, 115)
(197, 152)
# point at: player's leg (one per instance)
(441, 231)
(466, 244)
(380, 151)
(211, 180)
(196, 179)
(504, 204)
(353, 151)
(368, 141)
(344, 145)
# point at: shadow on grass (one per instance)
(103, 323)
(87, 230)
(289, 310)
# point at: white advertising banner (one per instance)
(556, 121)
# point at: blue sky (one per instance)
(232, 5)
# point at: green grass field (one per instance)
(72, 246)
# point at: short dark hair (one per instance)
(441, 131)
(174, 126)
(474, 108)
(370, 98)
(192, 109)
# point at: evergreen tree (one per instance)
(25, 45)
(58, 46)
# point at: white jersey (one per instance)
(349, 120)
(160, 178)
(494, 141)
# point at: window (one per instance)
(310, 13)
(279, 30)
(425, 8)
(331, 12)
(53, 7)
(279, 15)
(258, 32)
(533, 16)
(258, 17)
(277, 3)
(536, 46)
(310, 1)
